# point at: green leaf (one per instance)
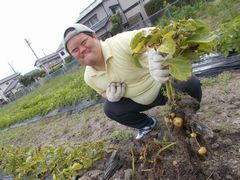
(190, 55)
(76, 166)
(155, 38)
(169, 34)
(199, 23)
(180, 67)
(136, 39)
(201, 38)
(135, 61)
(55, 177)
(206, 47)
(139, 47)
(168, 46)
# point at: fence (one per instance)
(167, 13)
(65, 68)
(152, 19)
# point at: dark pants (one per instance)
(128, 112)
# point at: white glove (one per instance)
(156, 69)
(115, 91)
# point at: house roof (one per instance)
(88, 9)
(47, 58)
(96, 27)
(9, 78)
(85, 12)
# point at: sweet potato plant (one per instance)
(186, 41)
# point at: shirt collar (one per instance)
(106, 50)
(107, 54)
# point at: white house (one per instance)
(47, 62)
(96, 16)
(9, 86)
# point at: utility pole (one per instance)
(29, 45)
(12, 67)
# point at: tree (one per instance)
(68, 59)
(116, 21)
(26, 80)
(30, 78)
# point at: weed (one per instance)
(221, 78)
(85, 131)
(86, 115)
(228, 6)
(224, 127)
(119, 136)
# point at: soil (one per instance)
(158, 155)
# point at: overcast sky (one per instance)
(42, 22)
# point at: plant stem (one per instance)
(133, 163)
(170, 93)
(166, 147)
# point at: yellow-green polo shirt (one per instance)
(140, 86)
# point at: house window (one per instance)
(115, 8)
(93, 20)
(62, 53)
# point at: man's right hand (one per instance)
(115, 91)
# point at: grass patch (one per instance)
(213, 12)
(66, 89)
(224, 127)
(222, 78)
(120, 136)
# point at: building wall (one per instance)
(98, 11)
(109, 3)
(133, 7)
(2, 96)
(47, 62)
(6, 84)
(63, 54)
(103, 11)
(48, 65)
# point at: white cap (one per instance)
(77, 28)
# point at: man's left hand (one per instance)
(156, 69)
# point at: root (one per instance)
(186, 109)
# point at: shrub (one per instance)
(229, 37)
(182, 11)
(39, 73)
(26, 80)
(68, 59)
(30, 78)
(55, 68)
(116, 21)
(153, 6)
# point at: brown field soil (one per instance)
(157, 155)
